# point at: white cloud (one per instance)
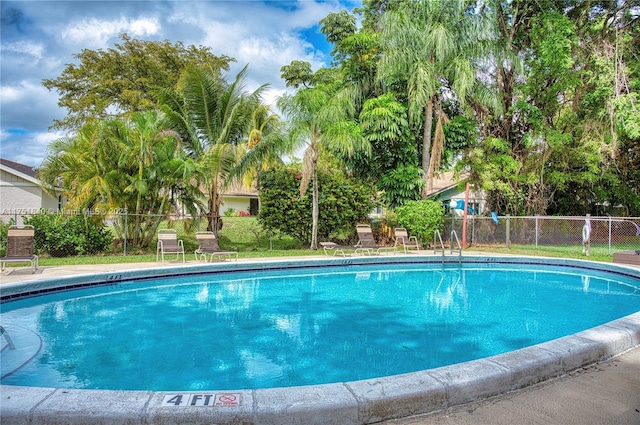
(266, 56)
(26, 103)
(30, 149)
(97, 33)
(28, 110)
(270, 95)
(24, 47)
(310, 13)
(263, 36)
(10, 94)
(21, 59)
(43, 36)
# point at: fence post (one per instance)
(126, 236)
(508, 231)
(537, 230)
(473, 229)
(610, 224)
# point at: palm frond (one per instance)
(437, 147)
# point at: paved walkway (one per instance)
(607, 393)
(602, 394)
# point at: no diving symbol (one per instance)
(226, 400)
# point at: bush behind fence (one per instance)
(69, 237)
(72, 233)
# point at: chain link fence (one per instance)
(71, 233)
(613, 233)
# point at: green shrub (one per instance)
(63, 235)
(401, 185)
(421, 218)
(4, 227)
(342, 204)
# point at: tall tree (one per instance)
(124, 78)
(159, 175)
(85, 167)
(392, 167)
(432, 46)
(213, 119)
(565, 75)
(134, 165)
(319, 121)
(355, 54)
(393, 162)
(345, 202)
(264, 148)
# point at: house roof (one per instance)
(441, 183)
(23, 171)
(21, 168)
(445, 181)
(236, 188)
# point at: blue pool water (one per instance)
(299, 326)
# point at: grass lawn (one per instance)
(598, 253)
(243, 234)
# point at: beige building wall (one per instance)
(236, 202)
(20, 196)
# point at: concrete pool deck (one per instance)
(598, 388)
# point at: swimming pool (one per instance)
(414, 391)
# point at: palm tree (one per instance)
(212, 117)
(265, 144)
(82, 165)
(134, 164)
(318, 121)
(156, 170)
(432, 44)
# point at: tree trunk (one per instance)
(316, 208)
(426, 145)
(214, 213)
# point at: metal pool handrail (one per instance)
(10, 344)
(454, 235)
(435, 244)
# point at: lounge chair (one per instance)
(207, 246)
(20, 247)
(403, 239)
(332, 248)
(367, 243)
(168, 243)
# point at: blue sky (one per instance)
(38, 38)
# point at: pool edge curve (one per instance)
(357, 402)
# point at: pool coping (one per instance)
(357, 402)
